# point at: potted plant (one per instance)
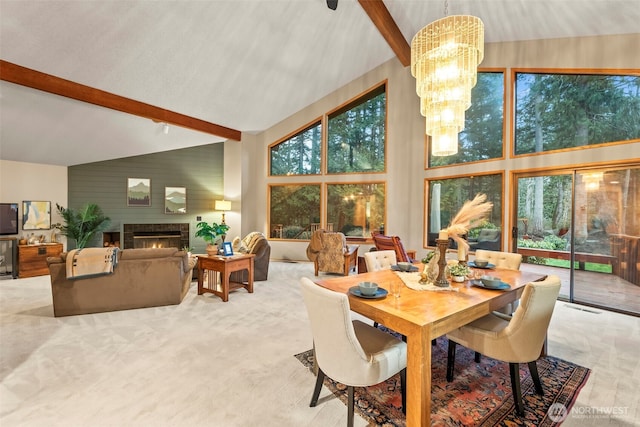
(459, 272)
(82, 225)
(210, 234)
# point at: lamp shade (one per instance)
(223, 205)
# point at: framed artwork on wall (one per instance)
(36, 215)
(175, 200)
(138, 192)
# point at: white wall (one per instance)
(405, 135)
(30, 181)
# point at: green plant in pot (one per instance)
(82, 225)
(459, 272)
(210, 233)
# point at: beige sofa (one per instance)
(142, 278)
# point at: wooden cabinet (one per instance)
(32, 259)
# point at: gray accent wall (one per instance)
(199, 169)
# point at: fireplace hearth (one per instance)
(156, 235)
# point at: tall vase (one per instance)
(441, 280)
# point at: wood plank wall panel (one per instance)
(199, 169)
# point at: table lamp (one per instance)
(223, 205)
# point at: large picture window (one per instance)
(356, 209)
(357, 133)
(483, 134)
(295, 208)
(482, 137)
(560, 111)
(445, 197)
(299, 154)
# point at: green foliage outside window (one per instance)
(482, 137)
(558, 111)
(299, 154)
(293, 209)
(356, 209)
(356, 135)
(454, 192)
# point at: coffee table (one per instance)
(225, 265)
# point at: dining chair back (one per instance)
(515, 341)
(349, 351)
(507, 260)
(380, 260)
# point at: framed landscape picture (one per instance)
(138, 192)
(36, 215)
(175, 200)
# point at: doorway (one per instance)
(583, 225)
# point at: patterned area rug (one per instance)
(479, 395)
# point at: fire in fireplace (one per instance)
(145, 239)
(156, 235)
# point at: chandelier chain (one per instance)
(446, 7)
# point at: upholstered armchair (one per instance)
(488, 238)
(384, 243)
(331, 254)
(253, 243)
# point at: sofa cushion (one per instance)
(147, 253)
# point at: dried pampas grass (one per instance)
(471, 213)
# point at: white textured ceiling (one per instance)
(243, 64)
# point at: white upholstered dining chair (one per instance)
(380, 260)
(349, 351)
(515, 341)
(507, 260)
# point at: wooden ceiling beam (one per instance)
(382, 19)
(45, 82)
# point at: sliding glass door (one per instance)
(584, 226)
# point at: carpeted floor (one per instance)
(211, 363)
(479, 395)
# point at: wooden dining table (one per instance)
(424, 315)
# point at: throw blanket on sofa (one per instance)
(90, 262)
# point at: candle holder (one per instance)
(441, 280)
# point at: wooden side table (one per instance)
(225, 265)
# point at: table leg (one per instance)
(419, 379)
(200, 280)
(250, 278)
(224, 283)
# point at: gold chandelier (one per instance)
(444, 60)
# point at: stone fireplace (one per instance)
(156, 236)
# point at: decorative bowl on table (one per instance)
(368, 288)
(482, 263)
(491, 281)
(404, 266)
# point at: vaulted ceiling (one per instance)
(239, 64)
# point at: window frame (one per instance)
(316, 122)
(427, 202)
(358, 100)
(427, 138)
(270, 224)
(559, 71)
